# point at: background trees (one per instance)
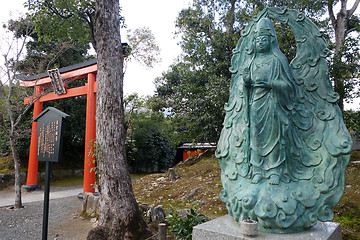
(150, 137)
(65, 20)
(195, 87)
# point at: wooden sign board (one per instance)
(50, 130)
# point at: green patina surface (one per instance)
(284, 147)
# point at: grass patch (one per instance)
(64, 182)
(347, 211)
(135, 176)
(78, 180)
(6, 164)
(68, 181)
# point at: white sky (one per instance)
(141, 13)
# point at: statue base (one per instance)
(226, 228)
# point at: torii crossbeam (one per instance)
(83, 70)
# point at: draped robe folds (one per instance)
(284, 147)
(269, 103)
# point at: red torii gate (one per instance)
(83, 70)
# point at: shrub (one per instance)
(182, 227)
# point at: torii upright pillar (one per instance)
(31, 183)
(90, 135)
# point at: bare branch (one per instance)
(349, 31)
(63, 49)
(343, 7)
(353, 9)
(36, 97)
(331, 12)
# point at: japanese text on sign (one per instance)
(47, 137)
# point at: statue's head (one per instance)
(264, 35)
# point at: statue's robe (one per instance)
(269, 106)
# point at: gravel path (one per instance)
(26, 223)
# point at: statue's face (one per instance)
(262, 43)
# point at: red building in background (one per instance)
(193, 149)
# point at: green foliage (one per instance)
(6, 164)
(149, 138)
(43, 55)
(63, 20)
(182, 227)
(347, 68)
(153, 150)
(23, 129)
(195, 88)
(352, 122)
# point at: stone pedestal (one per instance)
(225, 228)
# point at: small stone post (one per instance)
(162, 231)
(172, 174)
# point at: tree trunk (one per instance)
(18, 203)
(340, 34)
(230, 18)
(340, 25)
(119, 216)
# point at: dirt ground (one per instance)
(64, 220)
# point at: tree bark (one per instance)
(119, 216)
(230, 18)
(17, 169)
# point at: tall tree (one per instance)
(119, 216)
(344, 23)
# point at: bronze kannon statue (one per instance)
(284, 147)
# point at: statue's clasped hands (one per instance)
(246, 76)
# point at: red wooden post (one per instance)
(31, 183)
(90, 134)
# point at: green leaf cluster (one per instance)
(63, 20)
(182, 227)
(43, 55)
(352, 122)
(149, 142)
(347, 68)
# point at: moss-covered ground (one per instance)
(6, 164)
(347, 211)
(203, 175)
(197, 182)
